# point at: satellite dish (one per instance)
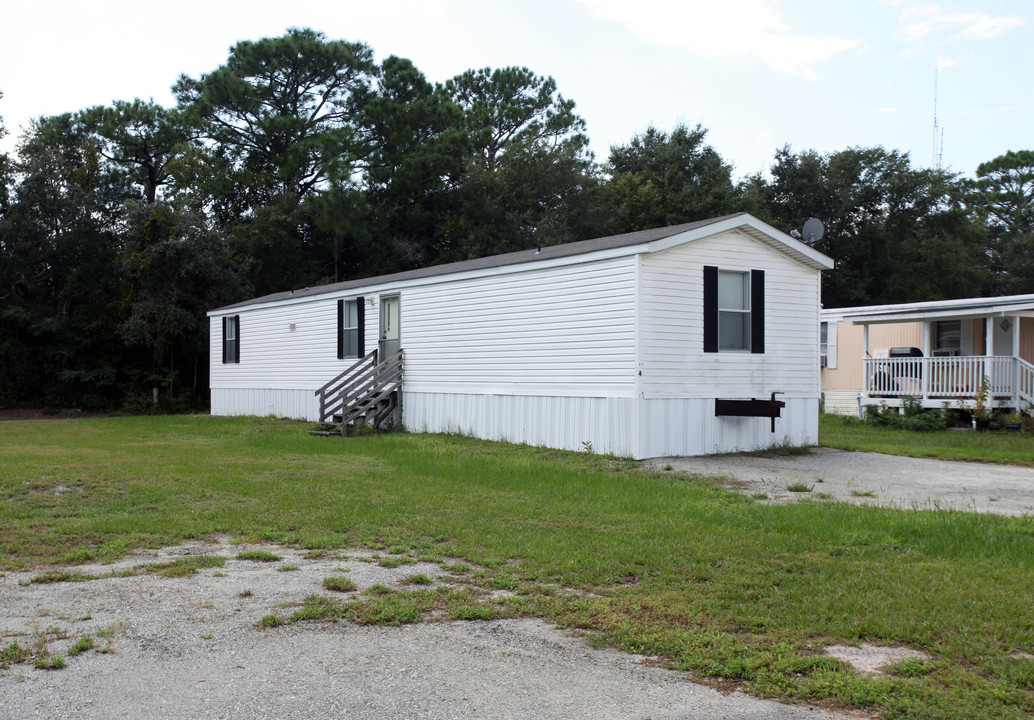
(812, 231)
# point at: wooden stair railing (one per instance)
(368, 393)
(330, 394)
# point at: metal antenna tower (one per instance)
(938, 131)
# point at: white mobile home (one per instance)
(692, 339)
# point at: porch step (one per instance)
(326, 430)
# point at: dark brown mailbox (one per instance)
(754, 407)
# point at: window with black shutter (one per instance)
(351, 328)
(232, 339)
(734, 310)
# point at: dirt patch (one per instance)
(195, 647)
(872, 659)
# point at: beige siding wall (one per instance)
(1027, 339)
(851, 346)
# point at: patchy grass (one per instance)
(57, 575)
(258, 556)
(339, 583)
(850, 433)
(717, 584)
(401, 607)
(80, 646)
(49, 661)
(184, 566)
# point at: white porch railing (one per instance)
(935, 380)
(1025, 381)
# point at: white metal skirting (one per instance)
(841, 402)
(664, 426)
(688, 426)
(570, 423)
(263, 402)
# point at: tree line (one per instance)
(302, 161)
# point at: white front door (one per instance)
(389, 337)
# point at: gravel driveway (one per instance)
(192, 647)
(872, 479)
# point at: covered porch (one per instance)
(972, 351)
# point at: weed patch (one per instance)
(185, 566)
(48, 661)
(258, 556)
(339, 583)
(56, 576)
(80, 646)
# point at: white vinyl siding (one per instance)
(567, 330)
(672, 360)
(558, 331)
(287, 346)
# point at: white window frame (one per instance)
(350, 333)
(745, 280)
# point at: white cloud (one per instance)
(920, 22)
(732, 30)
(887, 110)
(943, 63)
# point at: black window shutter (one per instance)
(237, 339)
(225, 320)
(710, 309)
(360, 307)
(340, 329)
(757, 311)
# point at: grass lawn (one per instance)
(664, 564)
(850, 433)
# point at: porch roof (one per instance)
(1014, 305)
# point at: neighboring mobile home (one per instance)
(936, 352)
(691, 339)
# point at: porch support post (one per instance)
(925, 369)
(989, 348)
(866, 365)
(1015, 364)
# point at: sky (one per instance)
(757, 74)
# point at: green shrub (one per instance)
(913, 416)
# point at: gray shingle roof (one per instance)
(514, 258)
